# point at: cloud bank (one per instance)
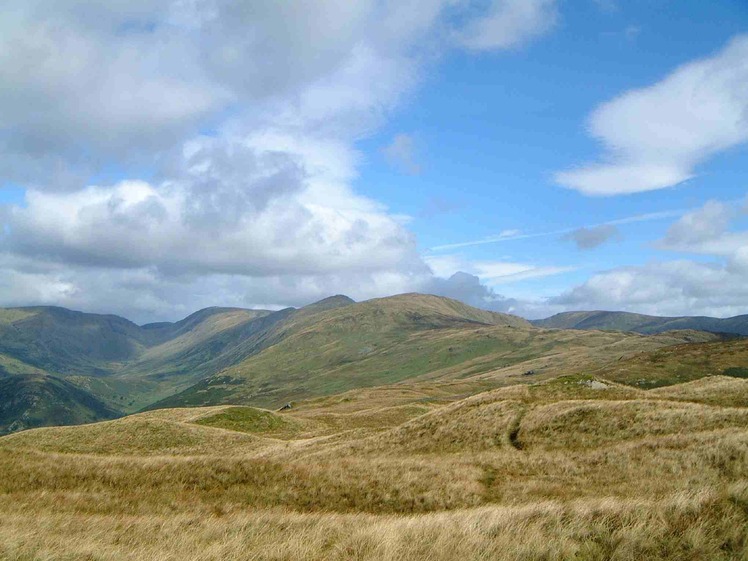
(220, 136)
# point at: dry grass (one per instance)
(575, 468)
(695, 525)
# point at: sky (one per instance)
(523, 156)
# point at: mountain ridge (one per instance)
(642, 323)
(228, 355)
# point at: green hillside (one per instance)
(66, 342)
(29, 401)
(407, 337)
(110, 359)
(626, 321)
(127, 367)
(258, 357)
(682, 363)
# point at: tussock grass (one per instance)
(133, 436)
(577, 424)
(696, 525)
(572, 468)
(713, 390)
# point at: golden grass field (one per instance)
(575, 467)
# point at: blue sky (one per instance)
(158, 157)
(490, 131)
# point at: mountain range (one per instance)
(627, 321)
(63, 367)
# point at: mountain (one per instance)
(406, 337)
(76, 343)
(104, 362)
(268, 358)
(420, 428)
(29, 401)
(626, 321)
(67, 342)
(125, 366)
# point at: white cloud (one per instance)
(118, 81)
(702, 225)
(247, 212)
(669, 289)
(656, 136)
(507, 23)
(258, 210)
(718, 287)
(145, 295)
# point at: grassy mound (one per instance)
(589, 424)
(133, 436)
(252, 420)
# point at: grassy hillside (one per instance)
(126, 366)
(256, 357)
(625, 321)
(107, 359)
(66, 342)
(682, 363)
(34, 400)
(577, 467)
(407, 337)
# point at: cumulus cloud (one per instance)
(592, 237)
(655, 137)
(233, 208)
(668, 289)
(122, 81)
(471, 290)
(703, 225)
(716, 287)
(231, 127)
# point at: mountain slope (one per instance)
(407, 337)
(626, 321)
(125, 366)
(121, 365)
(66, 342)
(29, 401)
(258, 357)
(681, 363)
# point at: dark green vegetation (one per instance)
(250, 420)
(625, 321)
(108, 366)
(113, 365)
(32, 400)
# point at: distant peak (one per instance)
(337, 301)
